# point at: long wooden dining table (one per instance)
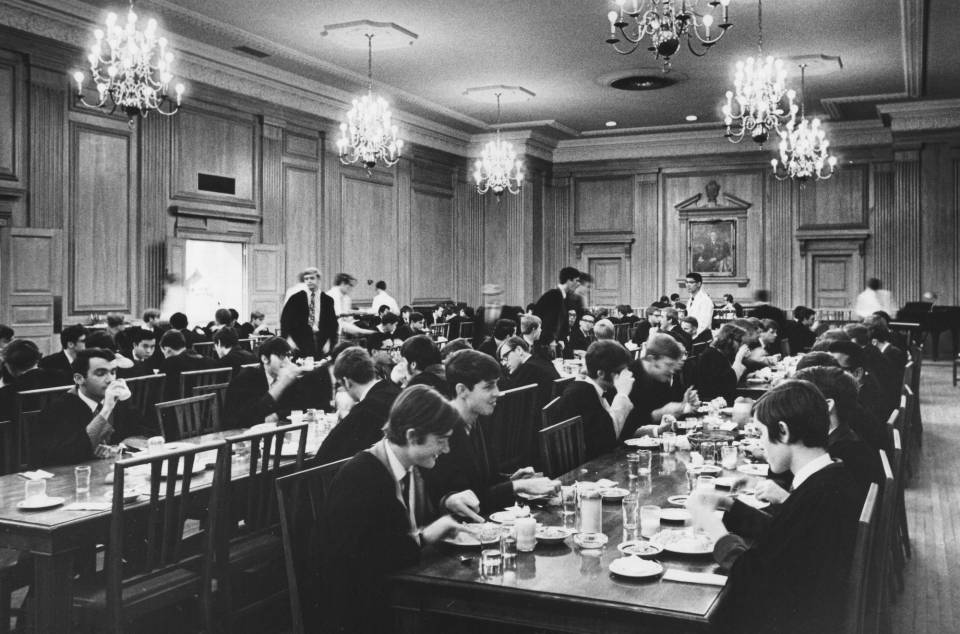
(565, 588)
(54, 537)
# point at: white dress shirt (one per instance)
(383, 299)
(701, 307)
(618, 409)
(342, 303)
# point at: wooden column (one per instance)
(155, 144)
(907, 281)
(779, 227)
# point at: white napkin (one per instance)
(685, 576)
(39, 474)
(88, 506)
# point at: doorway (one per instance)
(210, 275)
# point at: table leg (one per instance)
(53, 594)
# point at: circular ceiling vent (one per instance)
(643, 82)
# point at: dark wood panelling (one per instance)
(936, 226)
(557, 232)
(265, 285)
(271, 226)
(9, 116)
(34, 266)
(301, 145)
(48, 184)
(432, 261)
(907, 206)
(841, 200)
(220, 144)
(155, 138)
(300, 209)
(101, 216)
(646, 249)
(369, 236)
(779, 227)
(603, 205)
(468, 210)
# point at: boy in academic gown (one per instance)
(793, 579)
(372, 516)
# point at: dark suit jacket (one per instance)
(580, 341)
(433, 376)
(174, 366)
(683, 338)
(35, 379)
(489, 347)
(140, 368)
(642, 332)
(468, 466)
(58, 363)
(800, 337)
(581, 399)
(294, 323)
(362, 426)
(237, 357)
(712, 376)
(248, 400)
(766, 311)
(60, 436)
(897, 358)
(552, 311)
(537, 371)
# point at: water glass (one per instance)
(631, 512)
(155, 444)
(709, 451)
(633, 465)
(669, 439)
(35, 489)
(526, 528)
(728, 457)
(82, 474)
(591, 511)
(491, 562)
(705, 482)
(669, 419)
(568, 497)
(296, 416)
(646, 461)
(649, 520)
(508, 545)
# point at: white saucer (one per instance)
(635, 567)
(39, 504)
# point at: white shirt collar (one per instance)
(396, 467)
(92, 404)
(563, 290)
(810, 468)
(883, 345)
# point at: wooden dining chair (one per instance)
(149, 563)
(510, 431)
(896, 535)
(440, 330)
(246, 344)
(145, 392)
(211, 376)
(621, 332)
(550, 413)
(877, 585)
(560, 385)
(245, 541)
(916, 356)
(189, 417)
(562, 446)
(220, 389)
(206, 349)
(466, 330)
(300, 498)
(859, 567)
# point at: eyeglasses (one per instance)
(506, 355)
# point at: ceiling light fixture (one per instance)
(803, 146)
(610, 124)
(131, 68)
(760, 85)
(498, 168)
(369, 136)
(691, 117)
(666, 24)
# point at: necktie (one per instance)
(313, 309)
(97, 409)
(405, 488)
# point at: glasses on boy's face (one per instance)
(505, 355)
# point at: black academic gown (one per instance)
(248, 400)
(295, 323)
(552, 311)
(362, 426)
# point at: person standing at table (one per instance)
(308, 319)
(465, 482)
(700, 304)
(73, 428)
(551, 308)
(373, 513)
(793, 579)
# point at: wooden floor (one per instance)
(931, 601)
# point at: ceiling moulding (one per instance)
(917, 116)
(836, 107)
(702, 142)
(386, 35)
(507, 94)
(913, 38)
(531, 142)
(70, 22)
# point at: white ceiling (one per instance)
(555, 49)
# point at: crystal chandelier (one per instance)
(666, 24)
(803, 146)
(368, 135)
(131, 68)
(498, 168)
(760, 85)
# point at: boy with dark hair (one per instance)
(465, 482)
(551, 308)
(870, 394)
(143, 345)
(658, 389)
(523, 368)
(230, 354)
(794, 576)
(423, 364)
(20, 373)
(177, 359)
(72, 340)
(503, 330)
(383, 332)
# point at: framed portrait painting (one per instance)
(712, 246)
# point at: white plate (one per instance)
(553, 534)
(754, 469)
(505, 517)
(614, 494)
(646, 442)
(590, 540)
(674, 515)
(463, 540)
(682, 541)
(39, 504)
(677, 500)
(706, 469)
(635, 567)
(640, 548)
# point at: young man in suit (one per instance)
(230, 354)
(551, 308)
(793, 578)
(503, 330)
(72, 340)
(880, 337)
(522, 368)
(582, 336)
(274, 388)
(308, 319)
(374, 520)
(657, 388)
(21, 373)
(143, 344)
(363, 425)
(671, 326)
(177, 359)
(465, 482)
(422, 365)
(73, 428)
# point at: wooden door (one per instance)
(834, 284)
(608, 281)
(265, 285)
(34, 285)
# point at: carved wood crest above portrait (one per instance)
(713, 203)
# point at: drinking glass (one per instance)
(631, 510)
(728, 457)
(568, 496)
(649, 520)
(35, 489)
(296, 416)
(508, 544)
(633, 465)
(669, 439)
(155, 444)
(705, 482)
(708, 449)
(646, 461)
(82, 474)
(491, 562)
(526, 528)
(591, 511)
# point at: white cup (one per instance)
(526, 528)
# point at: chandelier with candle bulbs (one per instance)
(666, 24)
(497, 168)
(804, 148)
(131, 68)
(756, 105)
(369, 136)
